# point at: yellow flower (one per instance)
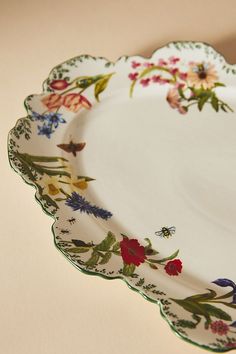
(50, 185)
(73, 184)
(202, 75)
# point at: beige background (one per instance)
(46, 305)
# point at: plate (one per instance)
(136, 162)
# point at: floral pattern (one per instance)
(73, 102)
(196, 84)
(187, 84)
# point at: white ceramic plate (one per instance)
(136, 162)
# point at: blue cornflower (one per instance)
(39, 117)
(77, 202)
(45, 130)
(54, 119)
(223, 282)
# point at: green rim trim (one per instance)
(179, 45)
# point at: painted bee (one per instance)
(166, 232)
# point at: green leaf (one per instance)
(215, 103)
(87, 179)
(86, 81)
(174, 255)
(149, 251)
(202, 101)
(193, 307)
(78, 249)
(49, 200)
(116, 246)
(107, 242)
(93, 260)
(101, 85)
(186, 324)
(105, 258)
(219, 84)
(128, 269)
(153, 266)
(216, 312)
(203, 297)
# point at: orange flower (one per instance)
(202, 75)
(75, 101)
(52, 101)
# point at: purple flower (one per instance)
(77, 202)
(39, 117)
(45, 130)
(223, 282)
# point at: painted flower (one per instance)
(162, 62)
(52, 101)
(54, 119)
(77, 202)
(74, 184)
(132, 252)
(45, 130)
(135, 64)
(202, 75)
(75, 101)
(219, 327)
(145, 82)
(173, 98)
(148, 65)
(173, 60)
(50, 184)
(133, 76)
(223, 282)
(59, 84)
(174, 71)
(183, 76)
(173, 267)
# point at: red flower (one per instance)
(132, 252)
(135, 65)
(133, 76)
(173, 267)
(173, 60)
(53, 101)
(156, 78)
(174, 71)
(145, 82)
(148, 65)
(59, 84)
(183, 76)
(75, 101)
(219, 327)
(162, 62)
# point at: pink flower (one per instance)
(174, 71)
(135, 64)
(133, 76)
(173, 98)
(173, 60)
(231, 345)
(59, 84)
(183, 76)
(162, 62)
(145, 82)
(180, 85)
(156, 78)
(75, 101)
(219, 327)
(52, 101)
(148, 65)
(163, 81)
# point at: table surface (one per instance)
(46, 305)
